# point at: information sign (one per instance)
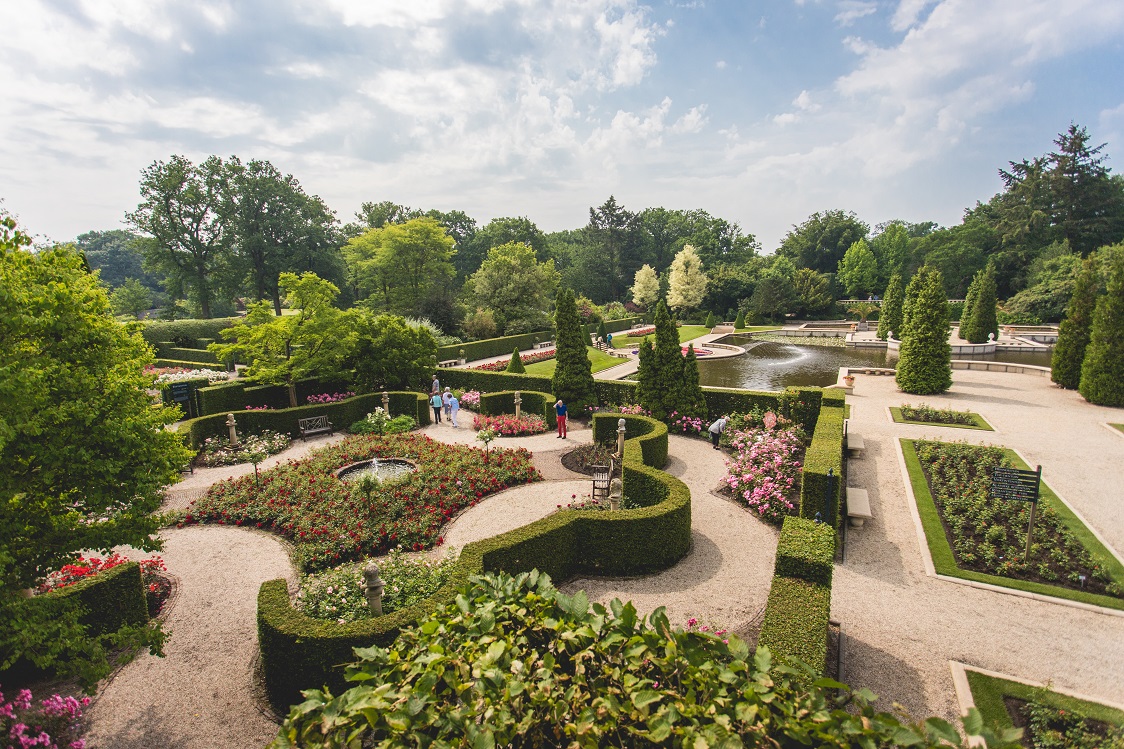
(1022, 486)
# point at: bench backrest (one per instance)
(315, 422)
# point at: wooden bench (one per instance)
(858, 507)
(315, 425)
(447, 363)
(853, 442)
(544, 344)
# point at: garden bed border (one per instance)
(981, 423)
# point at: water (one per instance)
(774, 366)
(382, 469)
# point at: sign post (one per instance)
(1020, 486)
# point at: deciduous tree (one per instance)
(858, 270)
(646, 287)
(130, 298)
(401, 266)
(821, 241)
(687, 282)
(517, 288)
(390, 354)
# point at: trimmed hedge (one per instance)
(492, 382)
(823, 454)
(342, 414)
(223, 398)
(237, 395)
(492, 346)
(185, 333)
(163, 362)
(796, 621)
(110, 600)
(194, 386)
(541, 404)
(806, 550)
(644, 432)
(298, 652)
(616, 326)
(192, 355)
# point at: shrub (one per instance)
(739, 321)
(54, 722)
(184, 333)
(328, 397)
(824, 455)
(796, 621)
(936, 415)
(510, 426)
(217, 451)
(531, 358)
(981, 322)
(1102, 373)
(1074, 330)
(765, 471)
(490, 347)
(515, 366)
(806, 550)
(925, 361)
(377, 422)
(890, 315)
(155, 584)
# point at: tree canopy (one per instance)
(686, 281)
(516, 288)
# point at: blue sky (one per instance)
(759, 112)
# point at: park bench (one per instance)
(853, 442)
(544, 344)
(315, 425)
(858, 506)
(447, 363)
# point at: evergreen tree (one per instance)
(573, 376)
(965, 327)
(1073, 333)
(1102, 373)
(983, 320)
(602, 333)
(890, 316)
(709, 320)
(515, 366)
(925, 363)
(739, 321)
(690, 400)
(646, 382)
(667, 364)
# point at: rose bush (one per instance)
(499, 366)
(329, 397)
(507, 425)
(765, 471)
(55, 723)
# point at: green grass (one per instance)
(988, 693)
(599, 359)
(945, 561)
(686, 333)
(980, 423)
(1119, 427)
(757, 328)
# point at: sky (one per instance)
(758, 111)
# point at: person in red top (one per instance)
(560, 412)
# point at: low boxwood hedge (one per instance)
(796, 620)
(503, 402)
(110, 600)
(492, 346)
(238, 394)
(616, 326)
(825, 453)
(491, 382)
(806, 550)
(223, 398)
(299, 652)
(644, 433)
(185, 333)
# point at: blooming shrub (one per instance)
(507, 425)
(681, 424)
(500, 366)
(329, 397)
(633, 408)
(764, 472)
(470, 399)
(640, 332)
(217, 451)
(758, 418)
(56, 723)
(338, 594)
(330, 521)
(157, 586)
(258, 408)
(168, 375)
(377, 422)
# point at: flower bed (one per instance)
(507, 425)
(157, 586)
(329, 397)
(217, 451)
(932, 415)
(54, 722)
(764, 474)
(377, 422)
(682, 424)
(499, 366)
(470, 399)
(332, 522)
(988, 535)
(168, 375)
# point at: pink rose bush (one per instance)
(683, 424)
(765, 471)
(470, 399)
(506, 425)
(55, 723)
(329, 397)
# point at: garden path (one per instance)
(901, 626)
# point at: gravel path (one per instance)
(901, 626)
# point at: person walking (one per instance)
(446, 397)
(716, 430)
(560, 411)
(435, 388)
(454, 408)
(435, 401)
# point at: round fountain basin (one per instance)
(388, 468)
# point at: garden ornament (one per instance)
(620, 438)
(616, 490)
(518, 404)
(386, 402)
(232, 425)
(374, 585)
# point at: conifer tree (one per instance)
(602, 333)
(1073, 333)
(1102, 373)
(739, 321)
(982, 320)
(690, 400)
(665, 375)
(573, 378)
(515, 366)
(646, 382)
(925, 363)
(890, 316)
(969, 303)
(709, 320)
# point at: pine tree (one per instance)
(690, 400)
(925, 363)
(1073, 333)
(965, 327)
(602, 333)
(646, 382)
(573, 378)
(515, 366)
(982, 320)
(665, 375)
(739, 321)
(1102, 373)
(709, 320)
(890, 316)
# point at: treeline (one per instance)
(209, 237)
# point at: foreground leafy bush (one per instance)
(378, 422)
(513, 662)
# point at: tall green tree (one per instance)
(1086, 204)
(402, 268)
(117, 257)
(925, 360)
(1102, 372)
(1074, 330)
(130, 298)
(858, 270)
(314, 341)
(891, 250)
(821, 241)
(646, 287)
(813, 293)
(686, 282)
(390, 354)
(646, 386)
(515, 366)
(573, 375)
(517, 288)
(774, 295)
(982, 320)
(612, 230)
(969, 305)
(666, 371)
(890, 316)
(186, 211)
(690, 400)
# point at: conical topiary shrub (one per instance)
(690, 400)
(709, 320)
(1073, 333)
(890, 315)
(739, 321)
(1102, 373)
(602, 333)
(982, 321)
(515, 366)
(965, 327)
(573, 378)
(925, 362)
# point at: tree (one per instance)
(516, 288)
(665, 375)
(390, 354)
(1102, 373)
(687, 282)
(130, 298)
(480, 324)
(890, 316)
(774, 296)
(690, 400)
(891, 249)
(612, 229)
(813, 293)
(313, 341)
(515, 366)
(1086, 204)
(1052, 277)
(821, 241)
(573, 375)
(739, 321)
(501, 231)
(925, 361)
(602, 331)
(186, 211)
(969, 304)
(709, 322)
(116, 257)
(1074, 331)
(983, 321)
(646, 287)
(858, 270)
(402, 266)
(957, 252)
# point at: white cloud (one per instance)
(692, 122)
(907, 13)
(721, 64)
(852, 10)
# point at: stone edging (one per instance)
(1112, 429)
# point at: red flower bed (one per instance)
(499, 366)
(157, 586)
(506, 425)
(330, 521)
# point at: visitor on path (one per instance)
(716, 430)
(560, 411)
(435, 388)
(609, 340)
(454, 408)
(446, 397)
(435, 401)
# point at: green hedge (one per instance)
(342, 415)
(493, 346)
(236, 395)
(647, 434)
(223, 398)
(164, 362)
(185, 333)
(616, 326)
(194, 386)
(110, 599)
(796, 621)
(298, 652)
(612, 393)
(503, 402)
(193, 355)
(823, 454)
(492, 382)
(806, 550)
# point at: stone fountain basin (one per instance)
(388, 467)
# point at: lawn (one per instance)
(989, 692)
(944, 560)
(978, 421)
(599, 359)
(686, 333)
(1118, 427)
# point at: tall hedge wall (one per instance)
(491, 382)
(616, 326)
(299, 652)
(196, 356)
(824, 453)
(806, 550)
(110, 599)
(236, 395)
(185, 333)
(493, 346)
(503, 402)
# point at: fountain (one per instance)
(383, 470)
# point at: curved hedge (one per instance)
(299, 652)
(641, 432)
(185, 332)
(110, 599)
(503, 402)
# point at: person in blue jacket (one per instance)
(560, 412)
(436, 402)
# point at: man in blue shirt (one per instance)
(560, 411)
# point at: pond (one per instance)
(770, 365)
